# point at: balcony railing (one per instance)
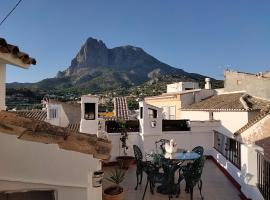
(114, 126)
(263, 169)
(229, 148)
(175, 125)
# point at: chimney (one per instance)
(2, 86)
(89, 114)
(207, 84)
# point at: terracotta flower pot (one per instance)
(113, 193)
(125, 161)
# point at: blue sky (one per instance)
(198, 36)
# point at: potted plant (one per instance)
(115, 192)
(124, 161)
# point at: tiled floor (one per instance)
(216, 186)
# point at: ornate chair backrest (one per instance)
(162, 143)
(195, 172)
(137, 153)
(199, 150)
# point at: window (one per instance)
(172, 112)
(89, 111)
(53, 114)
(169, 112)
(152, 113)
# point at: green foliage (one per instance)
(124, 135)
(132, 103)
(116, 176)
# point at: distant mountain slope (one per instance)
(99, 68)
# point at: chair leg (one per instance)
(152, 186)
(178, 190)
(141, 177)
(187, 188)
(137, 175)
(200, 188)
(191, 193)
(145, 189)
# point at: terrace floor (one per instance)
(216, 186)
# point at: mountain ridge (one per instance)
(100, 68)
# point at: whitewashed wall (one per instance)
(145, 122)
(32, 163)
(2, 86)
(201, 134)
(246, 177)
(61, 119)
(133, 138)
(195, 115)
(89, 126)
(230, 121)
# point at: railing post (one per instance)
(249, 169)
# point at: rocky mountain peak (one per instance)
(97, 66)
(92, 54)
(92, 42)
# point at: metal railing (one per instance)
(175, 125)
(114, 126)
(263, 170)
(229, 148)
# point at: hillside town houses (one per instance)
(55, 152)
(41, 160)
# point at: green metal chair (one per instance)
(153, 177)
(139, 163)
(199, 150)
(164, 178)
(192, 175)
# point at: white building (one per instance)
(42, 160)
(179, 95)
(234, 110)
(182, 86)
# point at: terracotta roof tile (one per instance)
(15, 51)
(43, 132)
(121, 107)
(39, 115)
(262, 114)
(229, 102)
(74, 127)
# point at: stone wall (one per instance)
(255, 85)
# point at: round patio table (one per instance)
(182, 156)
(177, 159)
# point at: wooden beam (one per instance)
(7, 58)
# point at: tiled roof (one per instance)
(229, 102)
(263, 113)
(121, 107)
(43, 132)
(74, 127)
(39, 115)
(15, 51)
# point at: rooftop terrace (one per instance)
(216, 186)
